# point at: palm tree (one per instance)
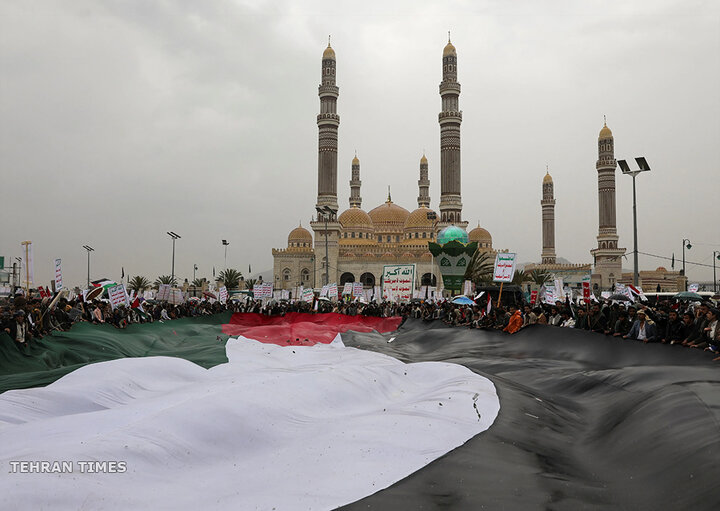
(138, 284)
(250, 283)
(198, 282)
(230, 277)
(481, 266)
(520, 277)
(165, 279)
(539, 277)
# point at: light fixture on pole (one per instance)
(225, 244)
(716, 256)
(686, 244)
(327, 212)
(643, 164)
(195, 267)
(89, 249)
(174, 237)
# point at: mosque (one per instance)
(355, 245)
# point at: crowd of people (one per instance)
(27, 320)
(693, 325)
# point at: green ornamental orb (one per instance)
(452, 233)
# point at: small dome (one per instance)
(480, 235)
(449, 50)
(299, 235)
(423, 160)
(418, 219)
(605, 132)
(452, 233)
(354, 218)
(661, 269)
(389, 216)
(356, 161)
(547, 178)
(329, 53)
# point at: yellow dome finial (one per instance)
(389, 199)
(329, 53)
(423, 159)
(449, 50)
(605, 131)
(355, 161)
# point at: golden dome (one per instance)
(356, 161)
(605, 132)
(547, 178)
(449, 50)
(423, 159)
(300, 235)
(354, 218)
(480, 235)
(418, 219)
(389, 216)
(329, 53)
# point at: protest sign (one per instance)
(58, 275)
(398, 282)
(347, 288)
(333, 291)
(308, 295)
(357, 289)
(223, 294)
(163, 294)
(586, 288)
(504, 267)
(118, 296)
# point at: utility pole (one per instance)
(642, 163)
(174, 237)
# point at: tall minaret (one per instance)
(548, 220)
(355, 199)
(424, 184)
(607, 255)
(450, 119)
(328, 121)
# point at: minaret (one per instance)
(548, 220)
(355, 199)
(607, 255)
(450, 119)
(424, 184)
(328, 121)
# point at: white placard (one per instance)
(398, 282)
(58, 275)
(118, 296)
(504, 267)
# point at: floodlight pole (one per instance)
(174, 237)
(626, 170)
(326, 211)
(225, 244)
(89, 249)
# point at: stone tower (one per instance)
(450, 119)
(548, 220)
(607, 255)
(328, 122)
(424, 184)
(355, 199)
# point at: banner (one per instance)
(324, 290)
(533, 297)
(308, 295)
(550, 294)
(176, 296)
(468, 288)
(357, 289)
(398, 282)
(586, 288)
(693, 288)
(118, 296)
(559, 289)
(333, 291)
(163, 294)
(504, 267)
(261, 291)
(347, 288)
(58, 275)
(223, 295)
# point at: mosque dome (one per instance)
(329, 53)
(452, 233)
(299, 235)
(355, 161)
(605, 132)
(418, 219)
(479, 234)
(423, 159)
(449, 50)
(355, 218)
(548, 178)
(389, 217)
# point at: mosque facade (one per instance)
(355, 245)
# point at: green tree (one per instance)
(138, 284)
(520, 277)
(250, 283)
(480, 269)
(165, 279)
(198, 282)
(231, 278)
(539, 277)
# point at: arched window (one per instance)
(428, 279)
(305, 275)
(346, 277)
(286, 274)
(367, 279)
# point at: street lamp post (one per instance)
(174, 237)
(195, 267)
(432, 216)
(688, 246)
(716, 256)
(225, 244)
(643, 164)
(326, 212)
(89, 249)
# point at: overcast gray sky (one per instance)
(121, 120)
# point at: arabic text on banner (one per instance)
(398, 282)
(357, 289)
(504, 267)
(347, 288)
(117, 296)
(58, 275)
(163, 294)
(333, 291)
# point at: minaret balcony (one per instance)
(328, 90)
(449, 87)
(606, 162)
(450, 115)
(328, 119)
